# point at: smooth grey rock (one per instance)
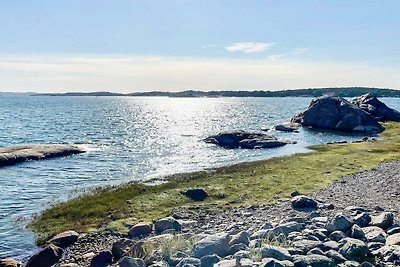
(131, 262)
(374, 234)
(384, 220)
(287, 127)
(307, 245)
(313, 261)
(168, 223)
(362, 219)
(214, 244)
(393, 239)
(229, 263)
(339, 222)
(357, 232)
(102, 259)
(237, 247)
(275, 252)
(337, 236)
(189, 262)
(64, 239)
(141, 229)
(303, 202)
(17, 154)
(46, 257)
(336, 113)
(247, 140)
(330, 245)
(242, 237)
(210, 260)
(271, 262)
(354, 249)
(335, 256)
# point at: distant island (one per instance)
(310, 92)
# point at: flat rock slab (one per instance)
(17, 154)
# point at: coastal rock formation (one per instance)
(17, 154)
(376, 108)
(336, 113)
(287, 127)
(241, 139)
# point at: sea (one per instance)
(127, 139)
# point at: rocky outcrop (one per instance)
(248, 140)
(46, 257)
(336, 113)
(376, 108)
(64, 239)
(287, 127)
(17, 154)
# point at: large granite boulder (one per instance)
(248, 140)
(336, 113)
(376, 108)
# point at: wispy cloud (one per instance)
(293, 52)
(120, 73)
(249, 47)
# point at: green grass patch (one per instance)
(236, 185)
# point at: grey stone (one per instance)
(303, 202)
(140, 230)
(131, 262)
(271, 262)
(64, 239)
(393, 239)
(354, 249)
(313, 261)
(337, 236)
(17, 154)
(121, 247)
(168, 223)
(384, 220)
(357, 232)
(210, 260)
(275, 252)
(214, 244)
(339, 222)
(46, 257)
(102, 259)
(192, 262)
(242, 237)
(362, 219)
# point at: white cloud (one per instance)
(299, 51)
(249, 47)
(57, 73)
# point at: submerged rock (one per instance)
(247, 140)
(336, 113)
(17, 154)
(376, 108)
(287, 127)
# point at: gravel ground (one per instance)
(377, 190)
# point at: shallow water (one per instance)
(127, 138)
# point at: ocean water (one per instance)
(127, 138)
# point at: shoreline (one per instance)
(118, 208)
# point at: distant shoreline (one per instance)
(310, 92)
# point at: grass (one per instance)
(236, 185)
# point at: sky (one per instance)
(174, 45)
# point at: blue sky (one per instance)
(126, 45)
